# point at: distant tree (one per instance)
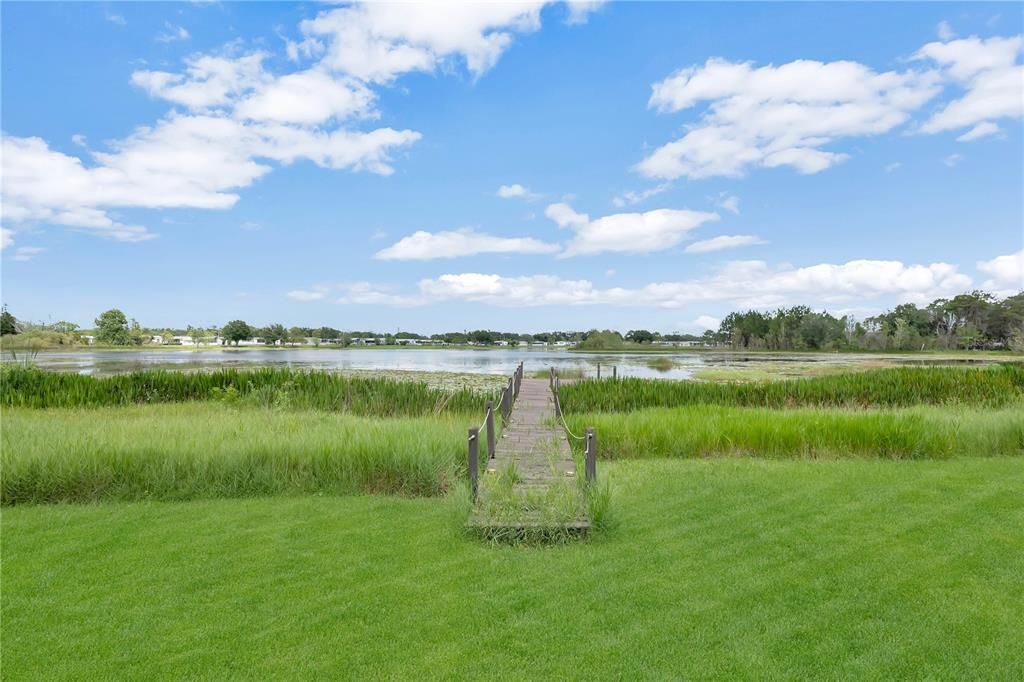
(273, 334)
(112, 327)
(296, 335)
(235, 331)
(8, 324)
(640, 336)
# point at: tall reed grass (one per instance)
(187, 451)
(310, 390)
(715, 431)
(898, 387)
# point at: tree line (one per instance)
(975, 320)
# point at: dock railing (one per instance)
(508, 396)
(590, 435)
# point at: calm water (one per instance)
(432, 360)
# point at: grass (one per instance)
(713, 431)
(661, 364)
(732, 569)
(310, 390)
(205, 450)
(896, 387)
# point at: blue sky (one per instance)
(519, 167)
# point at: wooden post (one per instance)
(511, 393)
(504, 405)
(591, 456)
(599, 371)
(615, 372)
(474, 462)
(490, 430)
(552, 379)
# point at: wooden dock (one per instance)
(529, 484)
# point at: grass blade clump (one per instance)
(898, 387)
(189, 451)
(265, 387)
(714, 431)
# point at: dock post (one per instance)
(615, 372)
(551, 379)
(474, 461)
(591, 455)
(490, 430)
(599, 371)
(558, 399)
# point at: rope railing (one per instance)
(590, 437)
(508, 396)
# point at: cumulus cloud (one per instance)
(458, 243)
(991, 76)
(516, 191)
(630, 198)
(233, 120)
(184, 161)
(1006, 273)
(983, 129)
(626, 232)
(376, 42)
(723, 242)
(783, 115)
(314, 294)
(730, 203)
(6, 238)
(741, 283)
(27, 253)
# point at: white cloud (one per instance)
(26, 253)
(626, 232)
(945, 31)
(516, 191)
(307, 97)
(315, 294)
(580, 10)
(983, 129)
(458, 243)
(741, 283)
(182, 162)
(376, 42)
(208, 81)
(989, 72)
(116, 19)
(730, 203)
(705, 322)
(1006, 273)
(250, 226)
(723, 242)
(778, 115)
(952, 160)
(629, 198)
(172, 34)
(6, 238)
(892, 167)
(241, 119)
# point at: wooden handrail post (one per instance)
(474, 461)
(490, 430)
(558, 399)
(615, 372)
(599, 371)
(591, 456)
(551, 381)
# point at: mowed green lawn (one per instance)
(728, 568)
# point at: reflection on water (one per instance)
(680, 365)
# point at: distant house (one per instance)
(89, 338)
(562, 344)
(183, 340)
(156, 338)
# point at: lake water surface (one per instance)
(498, 361)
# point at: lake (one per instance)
(498, 361)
